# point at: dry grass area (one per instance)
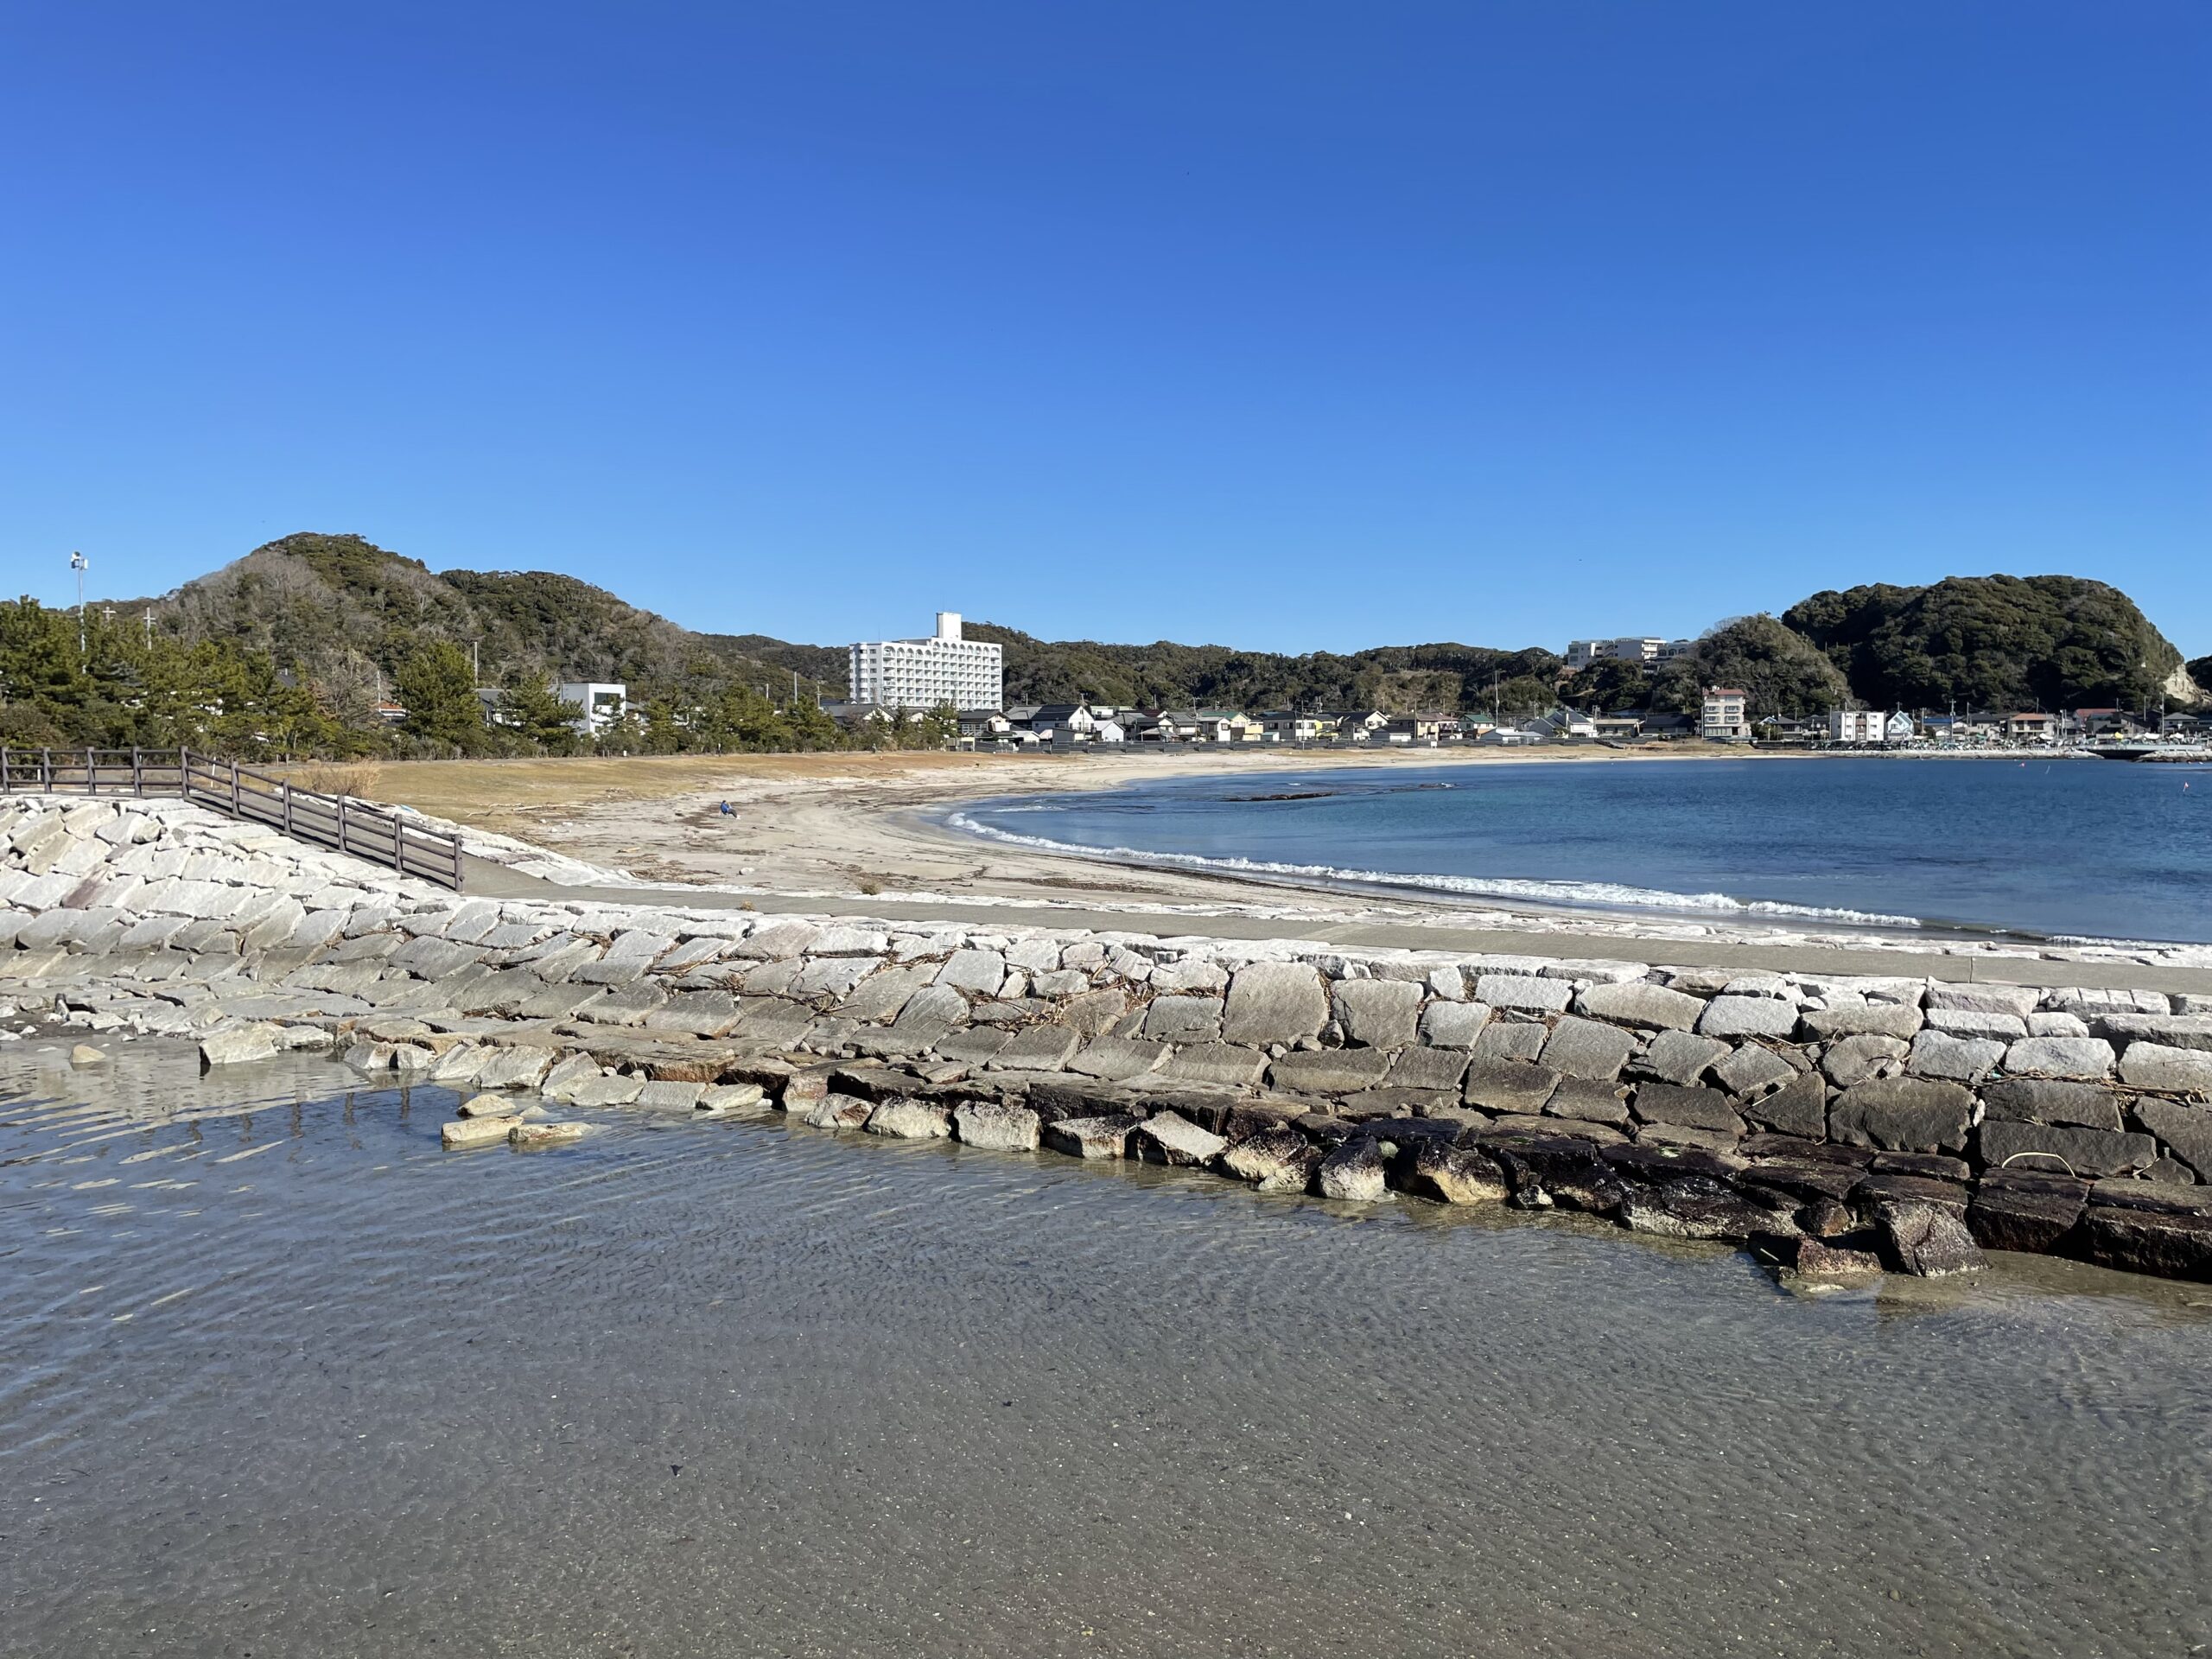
(504, 795)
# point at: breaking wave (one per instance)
(1609, 895)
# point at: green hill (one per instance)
(1995, 642)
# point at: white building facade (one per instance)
(1637, 648)
(925, 673)
(600, 703)
(1722, 719)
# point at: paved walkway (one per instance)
(487, 879)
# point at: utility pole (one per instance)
(149, 627)
(475, 669)
(79, 564)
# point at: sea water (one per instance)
(278, 1376)
(2054, 847)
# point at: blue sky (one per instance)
(1290, 326)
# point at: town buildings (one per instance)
(1640, 648)
(944, 669)
(1724, 717)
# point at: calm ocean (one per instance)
(2057, 847)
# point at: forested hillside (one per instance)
(291, 648)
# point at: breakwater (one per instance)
(1837, 1125)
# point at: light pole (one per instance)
(79, 564)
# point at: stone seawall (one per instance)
(1834, 1124)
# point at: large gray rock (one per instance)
(997, 1126)
(1960, 1060)
(1926, 1240)
(977, 1046)
(1798, 1108)
(2004, 1027)
(2084, 1058)
(1428, 1068)
(1354, 1172)
(2017, 1002)
(1455, 1174)
(1587, 1048)
(1171, 1138)
(1039, 1048)
(1103, 1136)
(1229, 1064)
(2167, 1069)
(1274, 1003)
(912, 1119)
(1699, 1207)
(1511, 1039)
(2037, 1100)
(240, 1043)
(1184, 1020)
(2085, 1153)
(1378, 1013)
(1747, 1016)
(1750, 1069)
(1694, 1108)
(1584, 1101)
(1857, 1060)
(1118, 1059)
(1330, 1070)
(1675, 1056)
(1453, 1024)
(1274, 1160)
(979, 971)
(1902, 1114)
(1523, 992)
(1642, 1003)
(1508, 1085)
(2187, 1131)
(2169, 1031)
(1846, 1019)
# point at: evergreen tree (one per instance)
(440, 694)
(535, 713)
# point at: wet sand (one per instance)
(280, 1377)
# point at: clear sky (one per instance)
(1291, 326)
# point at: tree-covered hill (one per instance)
(290, 647)
(1995, 642)
(1395, 679)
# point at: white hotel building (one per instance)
(921, 674)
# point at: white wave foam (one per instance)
(1606, 894)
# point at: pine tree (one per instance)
(440, 693)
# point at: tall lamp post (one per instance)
(79, 564)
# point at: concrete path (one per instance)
(487, 879)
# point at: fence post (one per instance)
(341, 824)
(91, 771)
(234, 789)
(137, 772)
(45, 772)
(288, 806)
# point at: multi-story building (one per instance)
(1630, 648)
(1723, 719)
(1856, 725)
(927, 673)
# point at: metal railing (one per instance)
(340, 822)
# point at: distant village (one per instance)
(896, 681)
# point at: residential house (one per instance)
(2093, 723)
(1628, 723)
(1358, 725)
(1900, 727)
(1561, 724)
(984, 726)
(1063, 722)
(1413, 728)
(1855, 725)
(1285, 727)
(1226, 726)
(600, 703)
(2030, 728)
(390, 713)
(1506, 737)
(1665, 723)
(1725, 717)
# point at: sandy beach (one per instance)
(858, 823)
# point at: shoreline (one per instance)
(850, 828)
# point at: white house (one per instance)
(601, 702)
(1855, 725)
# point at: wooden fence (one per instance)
(340, 822)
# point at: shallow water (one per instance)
(2066, 847)
(278, 1376)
